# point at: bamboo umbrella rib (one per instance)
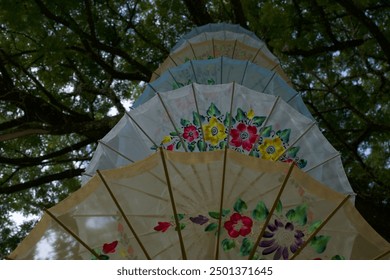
(115, 151)
(182, 142)
(382, 255)
(173, 77)
(192, 49)
(182, 248)
(230, 114)
(311, 125)
(224, 176)
(163, 250)
(140, 128)
(234, 48)
(271, 189)
(320, 227)
(144, 192)
(265, 122)
(200, 124)
(294, 96)
(221, 204)
(270, 80)
(244, 73)
(132, 161)
(213, 46)
(197, 111)
(68, 230)
(114, 215)
(150, 85)
(257, 53)
(193, 70)
(253, 251)
(171, 58)
(172, 122)
(221, 72)
(156, 73)
(276, 66)
(181, 139)
(123, 214)
(323, 162)
(185, 179)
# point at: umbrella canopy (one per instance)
(198, 118)
(211, 205)
(213, 48)
(225, 70)
(223, 31)
(220, 31)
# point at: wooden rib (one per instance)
(115, 151)
(74, 235)
(221, 72)
(140, 128)
(124, 216)
(320, 227)
(269, 81)
(156, 73)
(201, 126)
(323, 162)
(244, 74)
(234, 48)
(174, 62)
(276, 66)
(192, 49)
(224, 176)
(296, 140)
(213, 44)
(382, 255)
(193, 71)
(261, 234)
(180, 137)
(257, 53)
(178, 229)
(294, 96)
(221, 205)
(132, 161)
(163, 250)
(150, 85)
(197, 111)
(173, 77)
(230, 113)
(265, 122)
(172, 122)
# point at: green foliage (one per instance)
(67, 68)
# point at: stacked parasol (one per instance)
(219, 158)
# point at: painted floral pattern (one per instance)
(244, 131)
(286, 232)
(116, 249)
(238, 225)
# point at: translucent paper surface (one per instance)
(221, 71)
(261, 125)
(193, 188)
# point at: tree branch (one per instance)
(198, 12)
(42, 180)
(29, 161)
(84, 37)
(339, 46)
(238, 12)
(371, 26)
